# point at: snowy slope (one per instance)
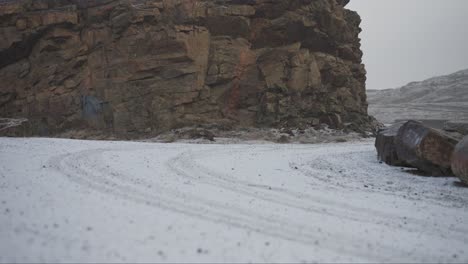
(444, 97)
(89, 201)
(444, 89)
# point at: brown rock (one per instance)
(425, 148)
(10, 7)
(460, 160)
(132, 66)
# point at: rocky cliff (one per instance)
(132, 67)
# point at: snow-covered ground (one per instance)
(96, 201)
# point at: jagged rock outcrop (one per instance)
(147, 66)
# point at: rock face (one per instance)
(425, 148)
(460, 160)
(128, 67)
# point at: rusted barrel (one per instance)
(460, 160)
(385, 145)
(425, 148)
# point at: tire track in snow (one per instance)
(91, 174)
(185, 164)
(184, 204)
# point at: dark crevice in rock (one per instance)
(19, 50)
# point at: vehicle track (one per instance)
(106, 181)
(185, 164)
(89, 169)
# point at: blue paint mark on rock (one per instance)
(91, 106)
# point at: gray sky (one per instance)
(412, 40)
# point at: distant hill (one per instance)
(443, 97)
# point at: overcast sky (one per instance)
(412, 40)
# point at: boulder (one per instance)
(425, 148)
(385, 143)
(460, 160)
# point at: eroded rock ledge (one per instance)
(148, 66)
